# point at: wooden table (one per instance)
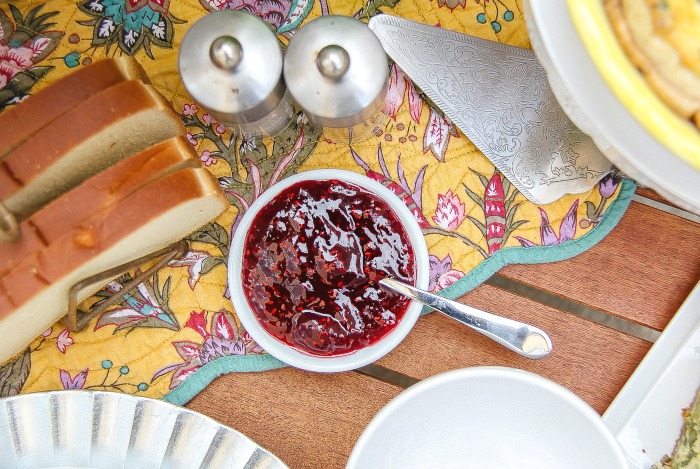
(603, 309)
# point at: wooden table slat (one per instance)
(308, 420)
(642, 271)
(592, 360)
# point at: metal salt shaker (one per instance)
(337, 72)
(231, 64)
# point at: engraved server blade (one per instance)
(499, 97)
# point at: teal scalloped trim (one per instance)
(299, 11)
(197, 381)
(201, 378)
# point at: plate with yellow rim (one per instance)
(627, 83)
(601, 110)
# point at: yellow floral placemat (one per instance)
(178, 331)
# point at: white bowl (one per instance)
(487, 417)
(290, 354)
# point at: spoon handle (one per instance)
(526, 340)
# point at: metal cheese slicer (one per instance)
(499, 97)
(526, 340)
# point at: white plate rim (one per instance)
(91, 402)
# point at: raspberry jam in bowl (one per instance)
(305, 265)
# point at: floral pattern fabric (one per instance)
(180, 323)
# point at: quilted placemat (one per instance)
(179, 331)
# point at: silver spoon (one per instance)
(526, 340)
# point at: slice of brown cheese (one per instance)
(119, 122)
(97, 193)
(162, 212)
(22, 121)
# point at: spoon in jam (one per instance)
(526, 340)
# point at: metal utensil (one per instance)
(526, 340)
(499, 96)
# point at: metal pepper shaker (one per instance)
(231, 64)
(337, 72)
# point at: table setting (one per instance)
(350, 177)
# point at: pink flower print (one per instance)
(207, 159)
(399, 83)
(449, 213)
(217, 4)
(395, 92)
(437, 135)
(442, 275)
(13, 60)
(189, 109)
(64, 340)
(210, 121)
(193, 260)
(495, 212)
(567, 229)
(274, 13)
(192, 139)
(221, 336)
(448, 278)
(198, 322)
(47, 333)
(76, 382)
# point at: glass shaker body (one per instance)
(337, 72)
(230, 62)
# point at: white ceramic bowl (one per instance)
(487, 417)
(290, 354)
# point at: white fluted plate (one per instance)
(101, 430)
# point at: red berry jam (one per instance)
(312, 261)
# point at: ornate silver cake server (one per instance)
(499, 97)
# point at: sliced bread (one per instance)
(97, 193)
(155, 216)
(118, 122)
(20, 122)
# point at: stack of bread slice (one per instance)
(97, 172)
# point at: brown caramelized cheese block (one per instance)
(120, 121)
(106, 188)
(30, 241)
(20, 122)
(162, 212)
(5, 301)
